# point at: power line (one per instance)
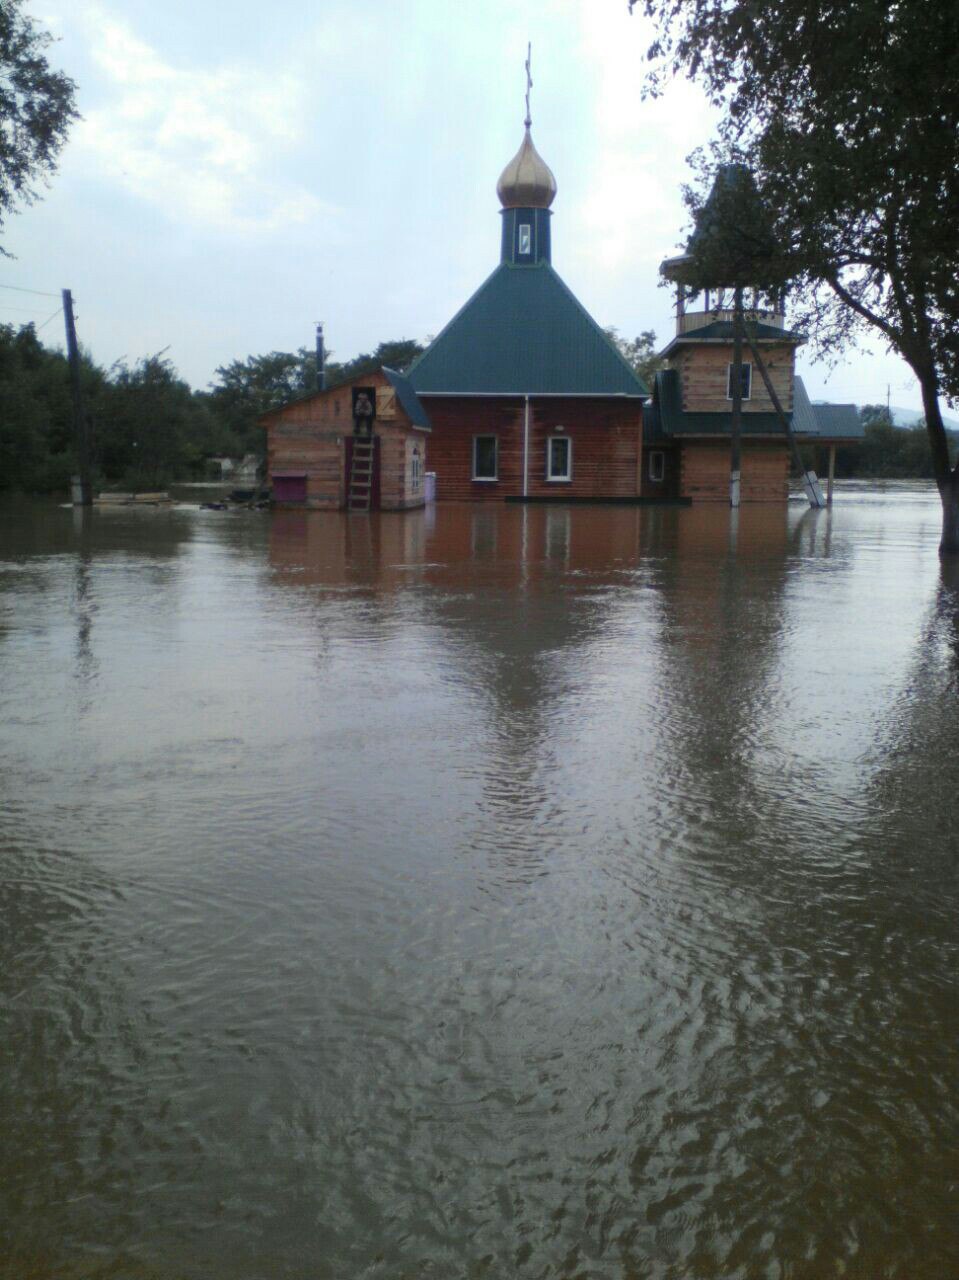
(53, 316)
(19, 289)
(22, 310)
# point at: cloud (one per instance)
(204, 147)
(633, 216)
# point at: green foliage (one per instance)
(248, 388)
(35, 412)
(398, 355)
(37, 107)
(848, 115)
(888, 451)
(639, 353)
(245, 389)
(149, 427)
(733, 243)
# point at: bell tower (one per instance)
(702, 350)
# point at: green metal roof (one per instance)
(524, 333)
(722, 331)
(410, 403)
(664, 418)
(828, 421)
(668, 418)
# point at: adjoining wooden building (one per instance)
(316, 459)
(689, 422)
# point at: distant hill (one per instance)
(911, 417)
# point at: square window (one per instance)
(747, 372)
(657, 466)
(525, 238)
(559, 458)
(484, 457)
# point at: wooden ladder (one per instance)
(360, 495)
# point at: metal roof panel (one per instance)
(524, 333)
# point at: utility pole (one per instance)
(736, 426)
(320, 358)
(81, 432)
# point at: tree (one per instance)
(398, 353)
(149, 425)
(37, 107)
(639, 353)
(848, 116)
(245, 389)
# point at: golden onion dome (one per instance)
(527, 182)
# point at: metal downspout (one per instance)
(526, 448)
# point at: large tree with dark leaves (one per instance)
(37, 107)
(847, 112)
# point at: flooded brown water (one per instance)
(479, 892)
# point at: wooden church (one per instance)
(523, 397)
(527, 396)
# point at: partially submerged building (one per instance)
(523, 396)
(690, 419)
(317, 459)
(526, 394)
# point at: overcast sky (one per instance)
(245, 169)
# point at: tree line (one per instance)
(150, 428)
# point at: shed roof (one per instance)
(410, 402)
(828, 421)
(524, 333)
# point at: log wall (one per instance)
(704, 471)
(309, 436)
(606, 436)
(703, 374)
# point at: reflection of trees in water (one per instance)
(816, 945)
(73, 1085)
(721, 592)
(727, 1079)
(914, 782)
(72, 1090)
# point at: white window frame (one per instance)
(550, 477)
(747, 365)
(486, 479)
(524, 237)
(657, 473)
(415, 470)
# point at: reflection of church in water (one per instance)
(523, 396)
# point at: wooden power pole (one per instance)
(736, 425)
(81, 429)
